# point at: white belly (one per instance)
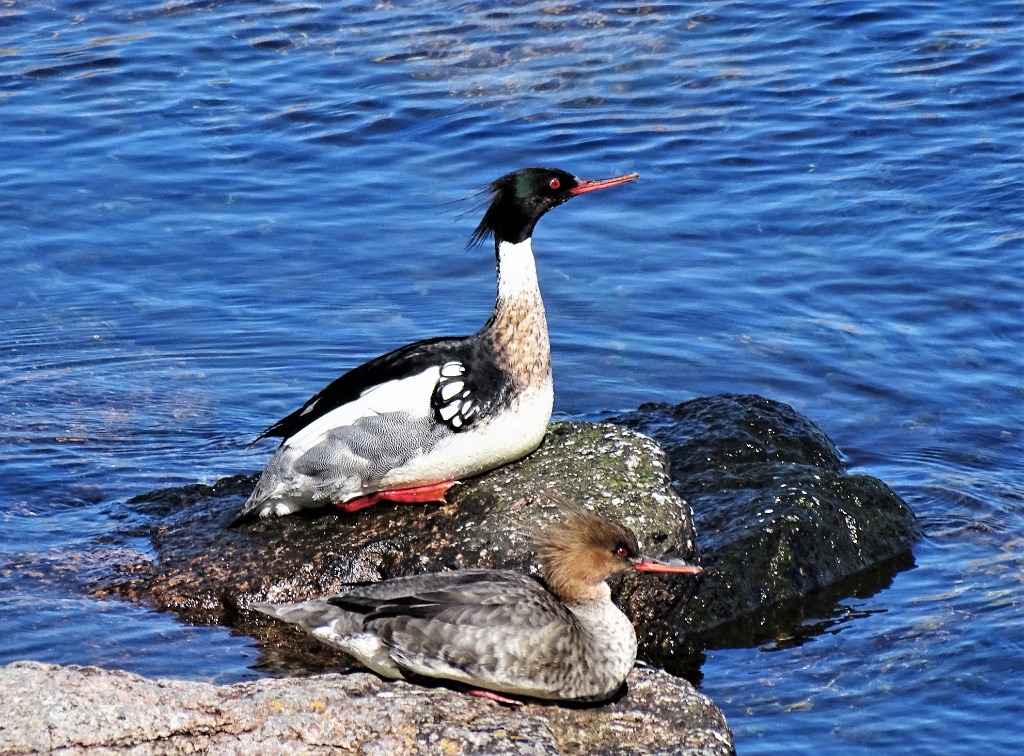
(512, 434)
(321, 464)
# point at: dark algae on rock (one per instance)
(779, 517)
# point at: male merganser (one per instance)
(498, 630)
(407, 425)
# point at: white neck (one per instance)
(517, 271)
(612, 640)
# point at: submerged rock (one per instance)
(48, 708)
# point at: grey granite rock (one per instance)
(73, 710)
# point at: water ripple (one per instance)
(213, 208)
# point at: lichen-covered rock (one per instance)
(205, 570)
(48, 708)
(778, 515)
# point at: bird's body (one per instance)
(407, 424)
(495, 629)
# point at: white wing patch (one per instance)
(411, 394)
(452, 369)
(453, 398)
(450, 389)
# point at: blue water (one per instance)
(208, 210)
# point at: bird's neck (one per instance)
(517, 270)
(610, 642)
(517, 327)
(576, 593)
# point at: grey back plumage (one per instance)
(493, 628)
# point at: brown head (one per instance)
(580, 552)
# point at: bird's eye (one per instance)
(622, 552)
(554, 183)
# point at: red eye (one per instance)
(554, 183)
(622, 552)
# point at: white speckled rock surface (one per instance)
(48, 708)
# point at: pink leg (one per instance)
(433, 492)
(495, 697)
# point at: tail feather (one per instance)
(317, 617)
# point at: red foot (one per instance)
(495, 697)
(433, 492)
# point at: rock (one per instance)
(778, 515)
(205, 570)
(48, 708)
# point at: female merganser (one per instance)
(407, 425)
(498, 630)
